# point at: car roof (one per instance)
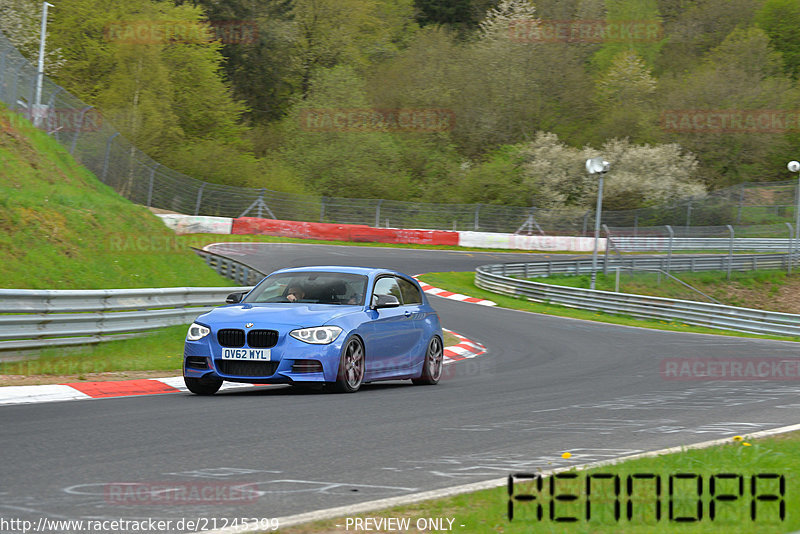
(366, 271)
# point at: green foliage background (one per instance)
(228, 111)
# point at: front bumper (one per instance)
(291, 361)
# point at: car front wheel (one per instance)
(351, 367)
(432, 367)
(203, 386)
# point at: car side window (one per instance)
(411, 294)
(387, 286)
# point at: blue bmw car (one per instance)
(336, 326)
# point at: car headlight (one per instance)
(197, 332)
(318, 335)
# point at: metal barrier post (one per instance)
(608, 248)
(741, 203)
(13, 99)
(669, 251)
(200, 199)
(78, 129)
(3, 72)
(105, 158)
(150, 186)
(791, 241)
(730, 250)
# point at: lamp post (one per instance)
(37, 103)
(597, 166)
(794, 166)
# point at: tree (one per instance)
(695, 27)
(334, 32)
(646, 42)
(498, 180)
(625, 96)
(343, 161)
(643, 175)
(741, 75)
(461, 15)
(780, 20)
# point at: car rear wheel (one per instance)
(434, 360)
(203, 386)
(351, 367)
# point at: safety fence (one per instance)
(504, 279)
(762, 238)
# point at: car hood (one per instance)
(295, 315)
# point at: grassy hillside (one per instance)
(60, 228)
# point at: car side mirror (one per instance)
(385, 301)
(235, 298)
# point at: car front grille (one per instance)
(262, 339)
(239, 368)
(231, 337)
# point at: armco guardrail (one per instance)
(33, 319)
(239, 272)
(739, 262)
(498, 278)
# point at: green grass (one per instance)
(161, 350)
(61, 228)
(486, 511)
(750, 289)
(465, 283)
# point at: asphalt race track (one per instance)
(547, 385)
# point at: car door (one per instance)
(413, 307)
(391, 333)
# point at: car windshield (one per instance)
(311, 288)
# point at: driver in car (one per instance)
(295, 293)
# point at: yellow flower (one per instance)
(737, 438)
(745, 444)
(566, 455)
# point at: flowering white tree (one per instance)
(640, 175)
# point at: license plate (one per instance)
(258, 355)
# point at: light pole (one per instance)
(794, 166)
(597, 166)
(37, 103)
